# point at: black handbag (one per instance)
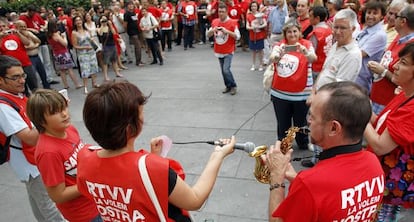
(156, 35)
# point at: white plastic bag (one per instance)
(268, 77)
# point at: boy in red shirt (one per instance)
(56, 154)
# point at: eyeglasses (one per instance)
(400, 16)
(16, 77)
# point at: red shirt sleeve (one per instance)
(299, 201)
(51, 168)
(400, 125)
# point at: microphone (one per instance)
(248, 147)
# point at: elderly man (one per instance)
(348, 183)
(343, 62)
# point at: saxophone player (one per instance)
(347, 184)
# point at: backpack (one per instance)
(5, 148)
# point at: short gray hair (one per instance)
(398, 4)
(348, 14)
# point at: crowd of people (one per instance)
(343, 69)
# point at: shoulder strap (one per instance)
(142, 167)
(10, 103)
(7, 101)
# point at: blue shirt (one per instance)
(372, 40)
(277, 19)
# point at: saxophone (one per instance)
(261, 171)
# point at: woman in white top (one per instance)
(148, 24)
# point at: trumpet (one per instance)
(261, 171)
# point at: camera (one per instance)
(291, 48)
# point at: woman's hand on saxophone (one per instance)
(277, 162)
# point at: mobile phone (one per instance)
(291, 48)
(219, 28)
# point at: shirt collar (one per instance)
(406, 38)
(348, 46)
(338, 150)
(20, 95)
(375, 28)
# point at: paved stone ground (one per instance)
(187, 105)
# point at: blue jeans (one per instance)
(225, 65)
(39, 67)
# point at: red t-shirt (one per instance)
(224, 43)
(305, 23)
(34, 22)
(156, 12)
(256, 34)
(398, 118)
(165, 16)
(11, 45)
(292, 71)
(235, 12)
(115, 184)
(56, 160)
(347, 187)
(382, 90)
(325, 40)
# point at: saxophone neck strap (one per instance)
(338, 150)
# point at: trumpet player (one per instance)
(347, 184)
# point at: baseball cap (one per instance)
(59, 9)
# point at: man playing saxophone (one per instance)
(347, 184)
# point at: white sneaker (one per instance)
(261, 68)
(253, 68)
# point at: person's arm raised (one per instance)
(192, 198)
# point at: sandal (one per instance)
(96, 86)
(79, 86)
(119, 75)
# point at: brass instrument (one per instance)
(261, 171)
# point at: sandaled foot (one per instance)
(119, 75)
(96, 86)
(79, 86)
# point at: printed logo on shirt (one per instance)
(11, 44)
(221, 37)
(72, 163)
(386, 58)
(361, 201)
(287, 65)
(233, 12)
(113, 202)
(189, 9)
(164, 16)
(328, 44)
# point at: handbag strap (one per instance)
(142, 167)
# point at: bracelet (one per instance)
(276, 185)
